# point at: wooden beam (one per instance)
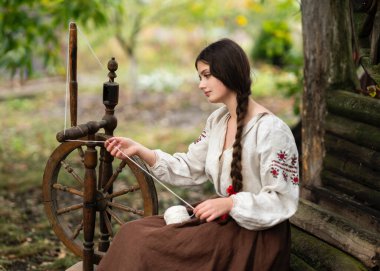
(367, 196)
(354, 106)
(345, 167)
(338, 232)
(321, 256)
(328, 65)
(357, 132)
(339, 146)
(335, 201)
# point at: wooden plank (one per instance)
(338, 232)
(357, 132)
(352, 170)
(367, 196)
(335, 201)
(320, 255)
(362, 155)
(354, 106)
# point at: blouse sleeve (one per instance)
(279, 177)
(184, 168)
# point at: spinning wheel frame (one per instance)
(97, 193)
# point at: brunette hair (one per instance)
(229, 63)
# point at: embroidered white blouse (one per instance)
(269, 168)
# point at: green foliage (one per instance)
(273, 43)
(30, 30)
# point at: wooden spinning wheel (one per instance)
(85, 198)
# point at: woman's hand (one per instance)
(118, 146)
(121, 146)
(211, 209)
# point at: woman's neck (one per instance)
(232, 104)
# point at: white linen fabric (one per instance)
(269, 168)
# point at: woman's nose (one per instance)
(202, 84)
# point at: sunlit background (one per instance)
(155, 43)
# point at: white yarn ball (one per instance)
(176, 214)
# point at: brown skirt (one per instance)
(149, 244)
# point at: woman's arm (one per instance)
(178, 169)
(279, 177)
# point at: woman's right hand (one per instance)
(121, 146)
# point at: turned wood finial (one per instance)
(112, 67)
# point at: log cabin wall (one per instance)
(340, 202)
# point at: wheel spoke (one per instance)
(112, 213)
(67, 189)
(77, 230)
(125, 208)
(114, 175)
(69, 209)
(108, 223)
(123, 192)
(70, 170)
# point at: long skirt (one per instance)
(149, 244)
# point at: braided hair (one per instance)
(230, 65)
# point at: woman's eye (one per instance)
(207, 75)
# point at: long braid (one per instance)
(230, 65)
(236, 166)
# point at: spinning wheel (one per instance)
(131, 194)
(85, 198)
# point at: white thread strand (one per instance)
(157, 180)
(89, 46)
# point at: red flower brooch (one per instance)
(230, 191)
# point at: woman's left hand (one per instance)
(211, 209)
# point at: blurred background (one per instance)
(155, 43)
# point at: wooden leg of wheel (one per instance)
(89, 211)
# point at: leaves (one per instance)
(31, 29)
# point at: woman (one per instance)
(250, 156)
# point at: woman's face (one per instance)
(213, 88)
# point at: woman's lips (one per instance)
(207, 93)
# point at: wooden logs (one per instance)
(338, 232)
(297, 264)
(335, 201)
(368, 196)
(321, 256)
(357, 132)
(354, 171)
(362, 155)
(354, 106)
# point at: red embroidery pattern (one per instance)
(285, 175)
(282, 155)
(294, 159)
(295, 179)
(274, 172)
(203, 135)
(281, 164)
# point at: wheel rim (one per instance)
(133, 196)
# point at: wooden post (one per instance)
(73, 84)
(328, 64)
(89, 203)
(110, 100)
